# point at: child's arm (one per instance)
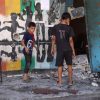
(72, 45)
(23, 44)
(53, 38)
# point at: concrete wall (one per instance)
(93, 31)
(14, 17)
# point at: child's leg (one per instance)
(68, 59)
(59, 63)
(70, 73)
(59, 74)
(27, 66)
(25, 76)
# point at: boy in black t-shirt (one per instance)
(62, 35)
(28, 43)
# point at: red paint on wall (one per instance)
(2, 7)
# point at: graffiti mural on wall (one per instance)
(57, 7)
(13, 24)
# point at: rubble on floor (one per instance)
(43, 85)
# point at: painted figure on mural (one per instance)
(40, 30)
(24, 5)
(49, 55)
(41, 55)
(12, 54)
(26, 10)
(29, 16)
(14, 25)
(38, 12)
(55, 10)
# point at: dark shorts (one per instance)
(65, 55)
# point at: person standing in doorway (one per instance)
(62, 36)
(28, 44)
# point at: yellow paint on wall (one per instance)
(13, 66)
(12, 6)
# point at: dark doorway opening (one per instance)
(79, 26)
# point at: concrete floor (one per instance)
(43, 86)
(13, 88)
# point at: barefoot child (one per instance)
(28, 44)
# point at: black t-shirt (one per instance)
(62, 33)
(29, 41)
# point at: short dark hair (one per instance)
(31, 24)
(65, 15)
